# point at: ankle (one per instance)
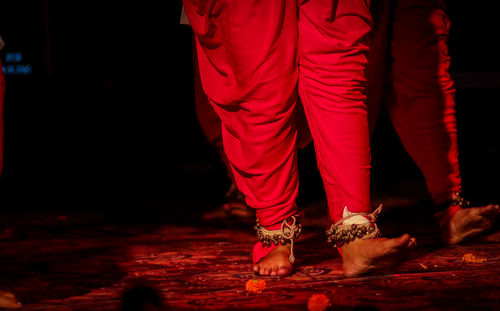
(269, 240)
(347, 230)
(456, 198)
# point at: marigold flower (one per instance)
(318, 302)
(470, 258)
(255, 286)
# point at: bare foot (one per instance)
(8, 300)
(457, 224)
(365, 256)
(277, 262)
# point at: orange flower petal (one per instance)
(318, 302)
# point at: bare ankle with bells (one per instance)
(290, 231)
(340, 234)
(456, 199)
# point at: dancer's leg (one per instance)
(423, 105)
(207, 118)
(247, 58)
(423, 111)
(234, 205)
(333, 48)
(334, 38)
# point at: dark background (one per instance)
(107, 119)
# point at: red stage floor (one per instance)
(86, 261)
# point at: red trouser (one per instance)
(334, 39)
(247, 54)
(421, 102)
(207, 118)
(211, 125)
(248, 64)
(421, 98)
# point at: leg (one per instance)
(333, 47)
(207, 118)
(423, 110)
(423, 106)
(212, 128)
(249, 74)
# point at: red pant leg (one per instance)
(247, 58)
(212, 127)
(423, 107)
(333, 46)
(207, 118)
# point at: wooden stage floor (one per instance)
(91, 261)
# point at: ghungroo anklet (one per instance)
(340, 234)
(290, 231)
(456, 200)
